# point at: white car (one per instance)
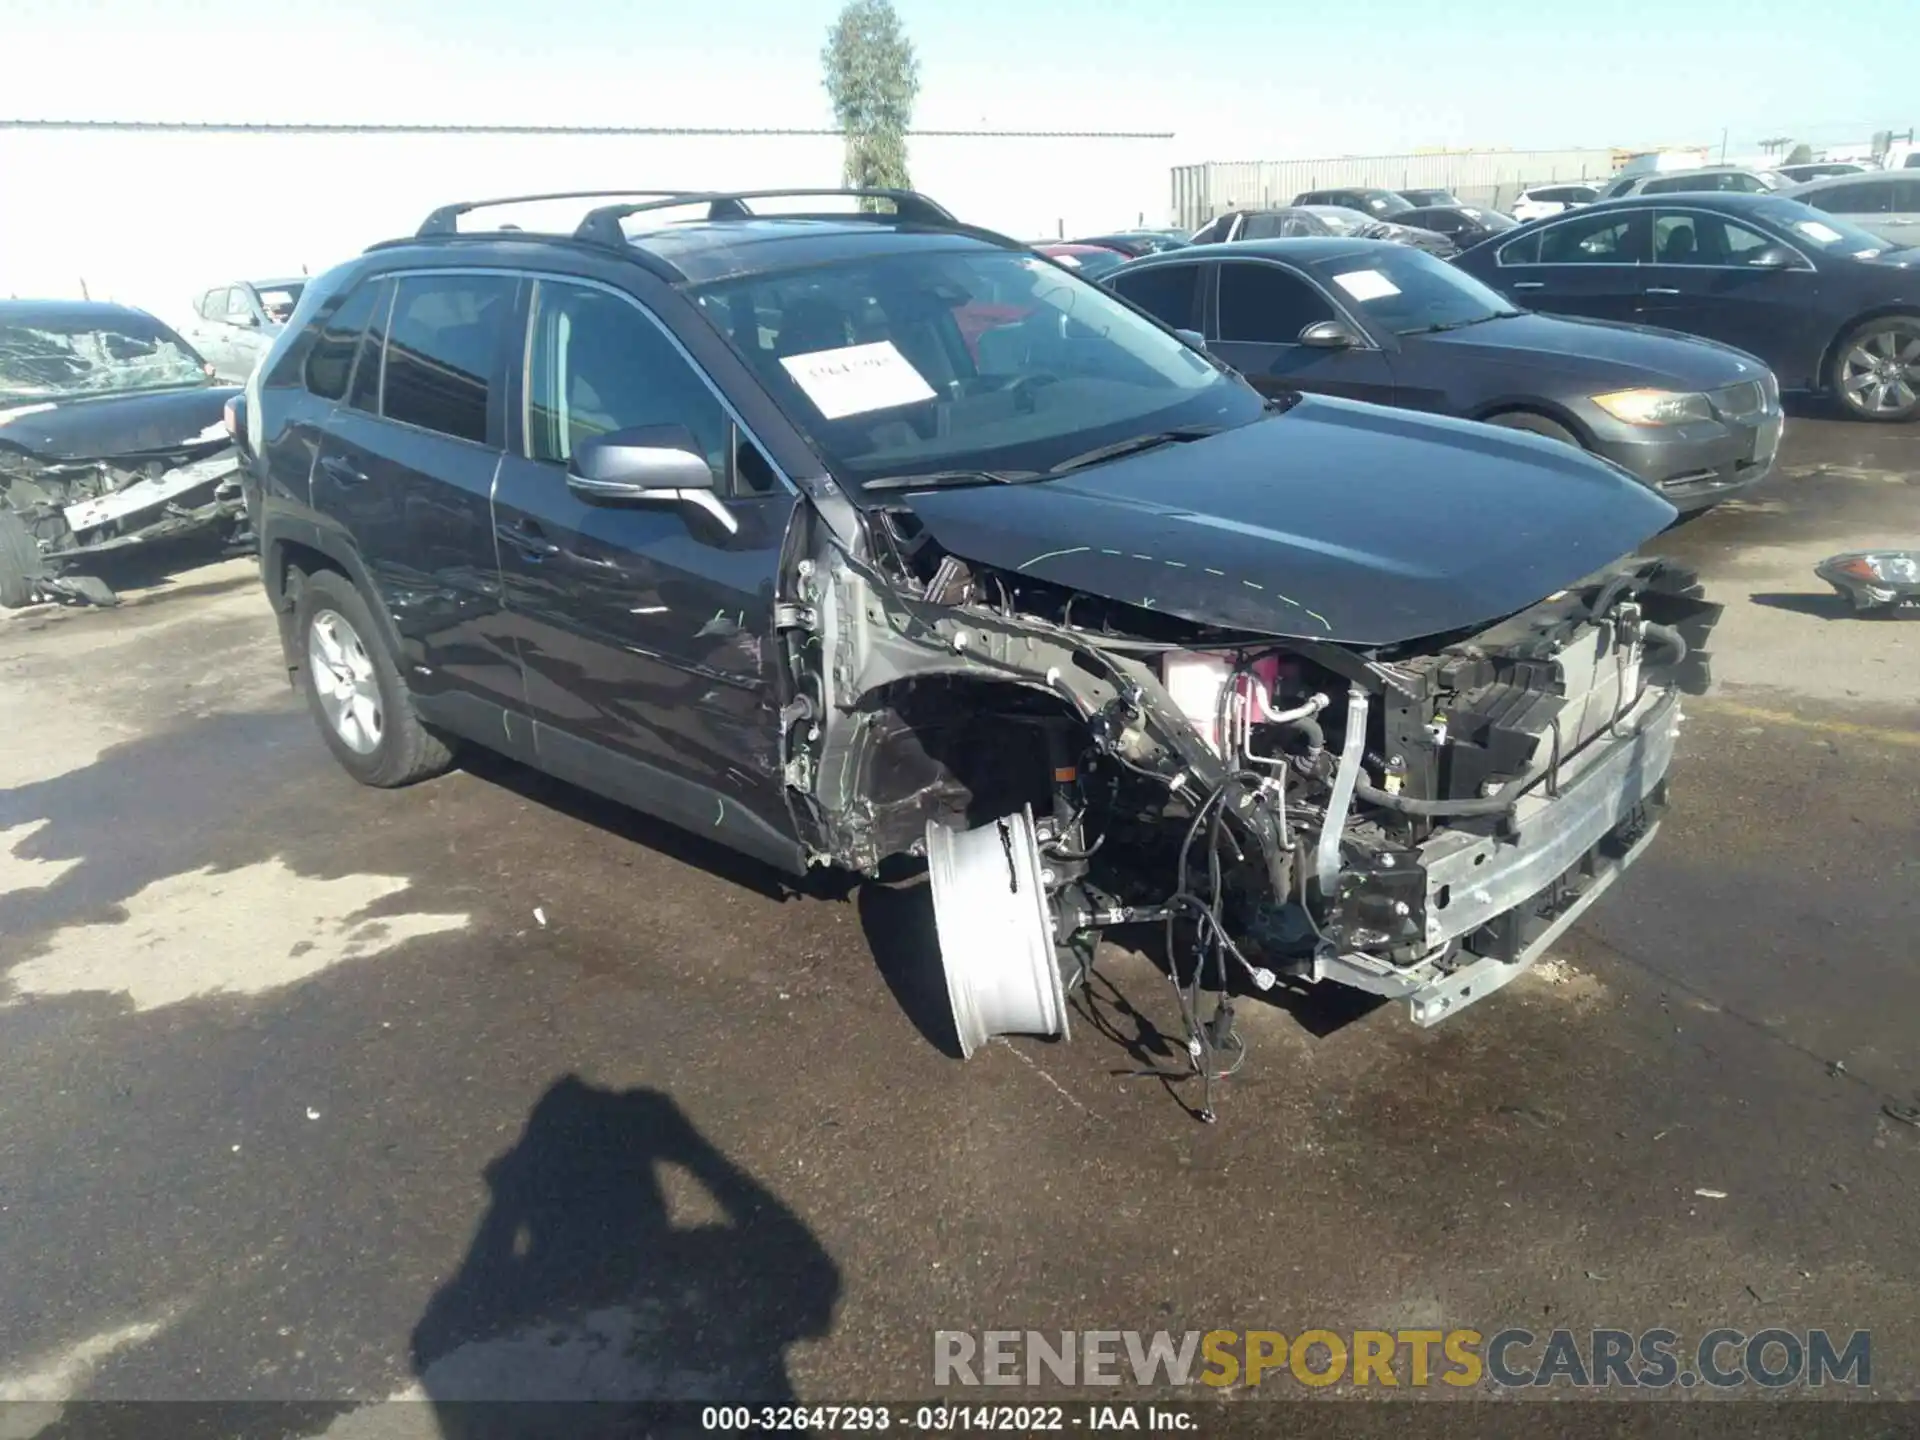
(1884, 202)
(1551, 200)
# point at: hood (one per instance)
(105, 427)
(1335, 520)
(1601, 351)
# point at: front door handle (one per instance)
(528, 539)
(342, 470)
(1661, 290)
(1529, 285)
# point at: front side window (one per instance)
(213, 305)
(598, 365)
(1265, 304)
(69, 354)
(239, 307)
(330, 361)
(1166, 292)
(443, 346)
(869, 358)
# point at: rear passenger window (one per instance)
(330, 360)
(600, 365)
(1166, 292)
(443, 344)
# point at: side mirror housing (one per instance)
(1193, 338)
(243, 322)
(1773, 257)
(1330, 335)
(649, 464)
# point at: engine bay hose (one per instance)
(1667, 638)
(1326, 860)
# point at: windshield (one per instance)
(906, 364)
(66, 356)
(1341, 220)
(1385, 204)
(1409, 292)
(1090, 263)
(278, 300)
(1489, 220)
(1808, 226)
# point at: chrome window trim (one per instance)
(398, 273)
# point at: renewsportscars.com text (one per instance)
(1389, 1359)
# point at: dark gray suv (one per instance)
(851, 534)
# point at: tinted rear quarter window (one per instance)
(1166, 292)
(364, 392)
(330, 360)
(443, 344)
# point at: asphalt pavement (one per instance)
(320, 1094)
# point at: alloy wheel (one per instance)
(1881, 372)
(344, 682)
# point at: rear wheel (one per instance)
(20, 561)
(355, 691)
(1876, 370)
(1536, 425)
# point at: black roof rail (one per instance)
(602, 226)
(446, 220)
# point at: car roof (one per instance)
(278, 283)
(1300, 249)
(1833, 182)
(730, 242)
(32, 312)
(1732, 201)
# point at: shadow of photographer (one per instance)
(622, 1260)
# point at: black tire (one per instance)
(20, 561)
(1878, 363)
(1536, 425)
(381, 742)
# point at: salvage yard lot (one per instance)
(330, 1094)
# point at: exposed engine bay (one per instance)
(77, 508)
(1417, 820)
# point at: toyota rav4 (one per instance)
(858, 533)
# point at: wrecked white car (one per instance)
(111, 435)
(843, 537)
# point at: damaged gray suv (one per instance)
(860, 533)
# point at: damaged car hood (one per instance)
(112, 426)
(1333, 521)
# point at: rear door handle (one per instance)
(343, 471)
(1529, 285)
(1661, 290)
(528, 539)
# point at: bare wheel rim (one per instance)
(1881, 372)
(344, 681)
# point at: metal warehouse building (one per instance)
(152, 213)
(1479, 177)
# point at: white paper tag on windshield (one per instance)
(857, 378)
(1814, 230)
(1366, 284)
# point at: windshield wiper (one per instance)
(1133, 446)
(934, 479)
(1446, 325)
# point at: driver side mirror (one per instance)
(648, 464)
(248, 321)
(1773, 257)
(1193, 338)
(1330, 335)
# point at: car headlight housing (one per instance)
(1654, 407)
(1874, 578)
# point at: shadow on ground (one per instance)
(622, 1259)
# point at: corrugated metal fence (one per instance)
(1479, 177)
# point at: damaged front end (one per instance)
(1418, 820)
(74, 508)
